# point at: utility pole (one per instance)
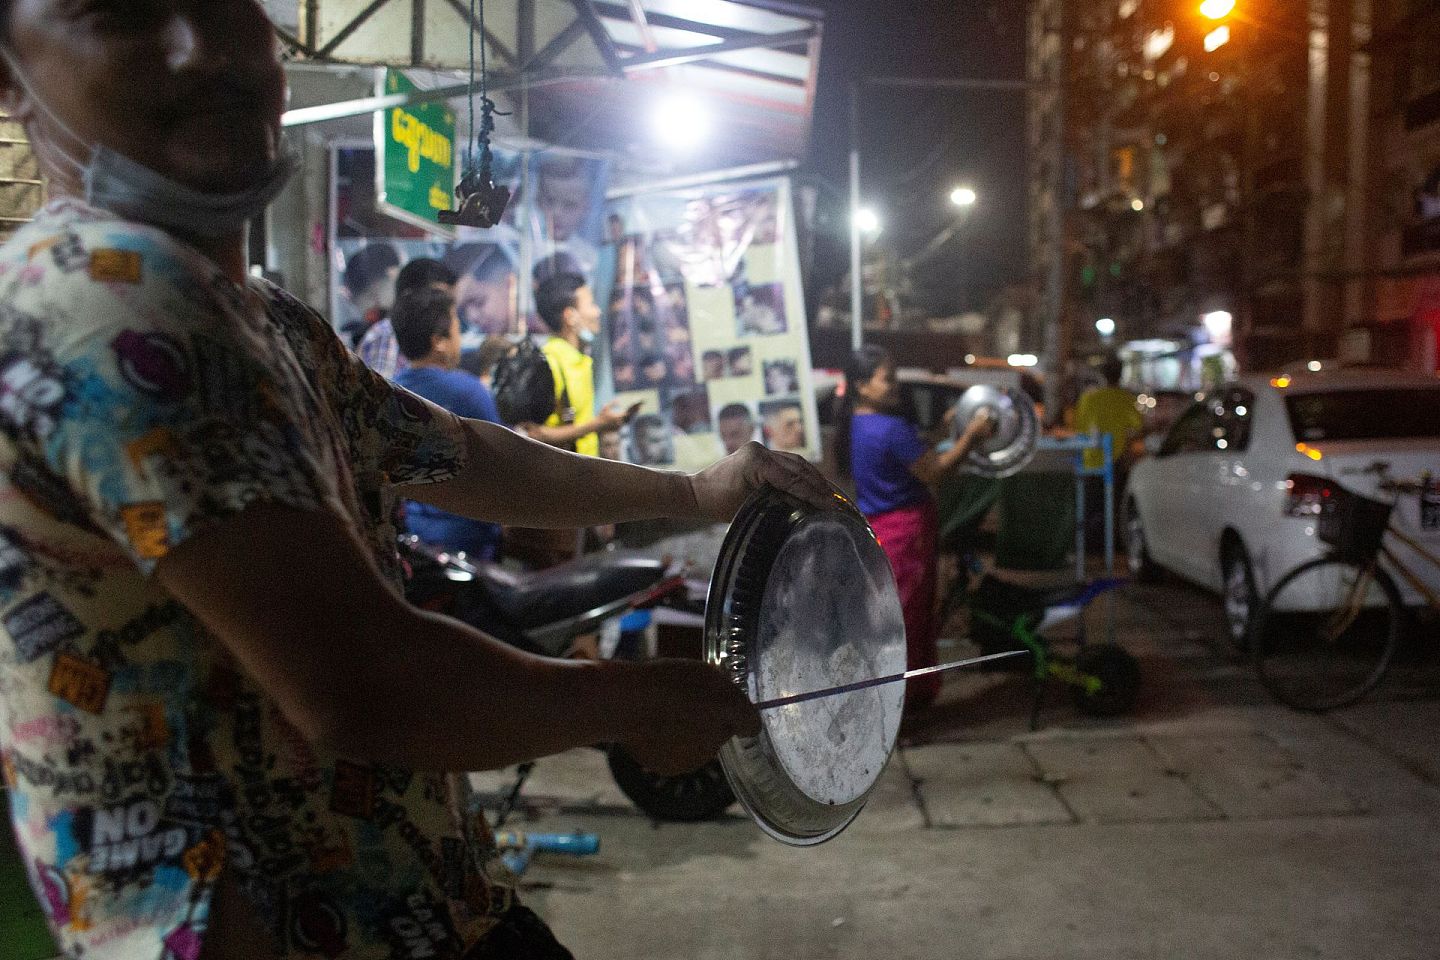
(924, 83)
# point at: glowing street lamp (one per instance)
(1217, 9)
(1105, 326)
(680, 123)
(1217, 38)
(963, 197)
(867, 221)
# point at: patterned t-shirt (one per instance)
(142, 396)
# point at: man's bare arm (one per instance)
(296, 599)
(514, 480)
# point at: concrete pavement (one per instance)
(1210, 824)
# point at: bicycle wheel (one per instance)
(1325, 634)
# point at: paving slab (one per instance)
(982, 784)
(1252, 776)
(893, 807)
(1117, 780)
(1408, 731)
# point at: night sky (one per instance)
(917, 144)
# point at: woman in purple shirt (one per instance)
(894, 471)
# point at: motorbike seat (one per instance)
(538, 598)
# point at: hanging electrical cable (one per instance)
(482, 202)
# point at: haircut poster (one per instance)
(706, 325)
(557, 204)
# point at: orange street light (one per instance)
(1217, 9)
(1217, 38)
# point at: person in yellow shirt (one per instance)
(1109, 410)
(567, 305)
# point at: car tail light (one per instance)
(1307, 494)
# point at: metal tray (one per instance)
(803, 599)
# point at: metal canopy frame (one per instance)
(604, 40)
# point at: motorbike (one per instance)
(544, 612)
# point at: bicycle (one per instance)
(1327, 632)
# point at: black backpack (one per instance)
(523, 385)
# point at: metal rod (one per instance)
(878, 681)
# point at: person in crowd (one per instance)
(1108, 410)
(736, 425)
(712, 365)
(369, 279)
(893, 470)
(378, 348)
(740, 361)
(224, 469)
(427, 330)
(569, 310)
(556, 263)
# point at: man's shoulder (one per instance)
(382, 329)
(75, 260)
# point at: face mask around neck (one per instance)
(114, 182)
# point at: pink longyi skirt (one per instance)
(909, 536)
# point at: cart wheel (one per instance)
(1119, 676)
(702, 794)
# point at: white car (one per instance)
(1229, 499)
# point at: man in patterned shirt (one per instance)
(223, 731)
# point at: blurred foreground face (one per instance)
(192, 89)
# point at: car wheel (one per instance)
(1239, 594)
(1137, 555)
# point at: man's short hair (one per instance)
(734, 411)
(418, 318)
(554, 296)
(420, 273)
(367, 265)
(559, 262)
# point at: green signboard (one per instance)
(416, 156)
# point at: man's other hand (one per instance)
(721, 488)
(680, 712)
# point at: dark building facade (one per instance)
(1402, 280)
(1212, 193)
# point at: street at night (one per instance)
(1211, 824)
(719, 479)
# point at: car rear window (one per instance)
(1365, 414)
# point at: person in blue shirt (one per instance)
(894, 470)
(427, 331)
